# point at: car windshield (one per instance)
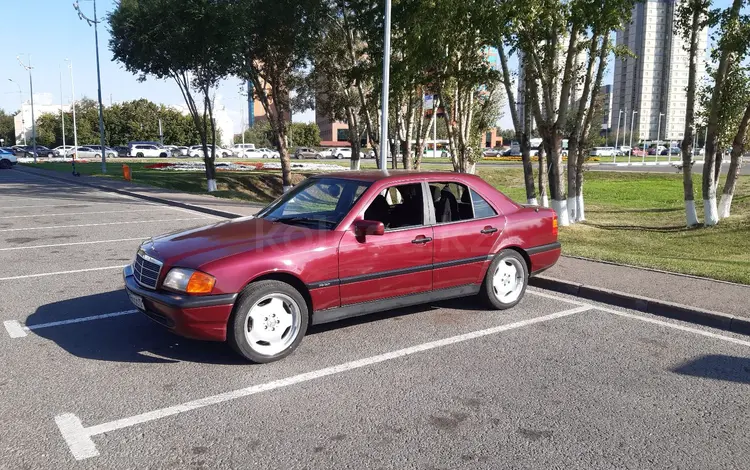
(317, 203)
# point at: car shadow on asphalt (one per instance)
(135, 338)
(717, 367)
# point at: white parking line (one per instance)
(82, 446)
(60, 272)
(17, 330)
(205, 216)
(65, 204)
(63, 214)
(71, 244)
(97, 225)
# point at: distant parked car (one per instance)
(196, 151)
(343, 152)
(122, 150)
(307, 152)
(182, 150)
(41, 151)
(148, 151)
(63, 150)
(268, 153)
(110, 152)
(602, 152)
(7, 159)
(239, 149)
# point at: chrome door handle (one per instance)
(489, 230)
(422, 240)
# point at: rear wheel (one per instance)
(139, 155)
(506, 280)
(97, 155)
(5, 164)
(269, 321)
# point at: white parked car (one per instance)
(7, 159)
(342, 152)
(63, 150)
(603, 152)
(196, 151)
(267, 153)
(239, 149)
(148, 151)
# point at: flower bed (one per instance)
(517, 158)
(241, 166)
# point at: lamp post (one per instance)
(20, 110)
(632, 120)
(62, 114)
(31, 93)
(617, 136)
(95, 22)
(386, 84)
(73, 106)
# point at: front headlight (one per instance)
(189, 281)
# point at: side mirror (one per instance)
(368, 227)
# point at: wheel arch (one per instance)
(520, 251)
(286, 278)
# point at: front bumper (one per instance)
(197, 317)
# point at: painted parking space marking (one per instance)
(17, 330)
(98, 225)
(64, 214)
(62, 203)
(94, 242)
(57, 273)
(83, 447)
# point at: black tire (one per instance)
(488, 295)
(298, 157)
(50, 155)
(340, 156)
(5, 164)
(238, 322)
(96, 155)
(139, 155)
(163, 155)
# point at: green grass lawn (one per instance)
(632, 218)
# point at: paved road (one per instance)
(553, 383)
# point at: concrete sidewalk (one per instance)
(694, 299)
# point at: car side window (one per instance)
(398, 207)
(455, 202)
(482, 208)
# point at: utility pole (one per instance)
(658, 136)
(62, 115)
(95, 22)
(384, 142)
(20, 110)
(73, 105)
(632, 121)
(31, 92)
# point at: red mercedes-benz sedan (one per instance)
(340, 245)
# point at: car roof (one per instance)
(396, 175)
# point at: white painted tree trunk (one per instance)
(532, 202)
(545, 201)
(287, 188)
(561, 208)
(690, 214)
(710, 212)
(580, 213)
(572, 213)
(354, 164)
(725, 205)
(471, 168)
(211, 185)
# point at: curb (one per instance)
(169, 202)
(662, 308)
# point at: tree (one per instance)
(189, 45)
(303, 134)
(7, 128)
(259, 134)
(275, 40)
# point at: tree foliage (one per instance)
(7, 128)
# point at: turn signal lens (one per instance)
(554, 225)
(200, 283)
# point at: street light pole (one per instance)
(62, 114)
(95, 22)
(386, 84)
(73, 105)
(31, 92)
(617, 136)
(20, 110)
(632, 121)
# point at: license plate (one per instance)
(137, 301)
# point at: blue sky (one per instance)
(53, 33)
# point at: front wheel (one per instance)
(269, 321)
(96, 155)
(139, 155)
(506, 280)
(340, 156)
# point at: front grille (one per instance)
(146, 270)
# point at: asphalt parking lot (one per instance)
(87, 382)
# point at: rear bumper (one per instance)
(196, 317)
(544, 257)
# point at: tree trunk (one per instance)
(424, 133)
(735, 164)
(687, 141)
(709, 182)
(523, 130)
(542, 173)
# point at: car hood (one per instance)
(195, 247)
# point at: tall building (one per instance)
(653, 84)
(606, 93)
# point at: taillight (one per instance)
(554, 224)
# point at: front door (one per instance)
(397, 263)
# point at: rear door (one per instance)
(397, 263)
(466, 229)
